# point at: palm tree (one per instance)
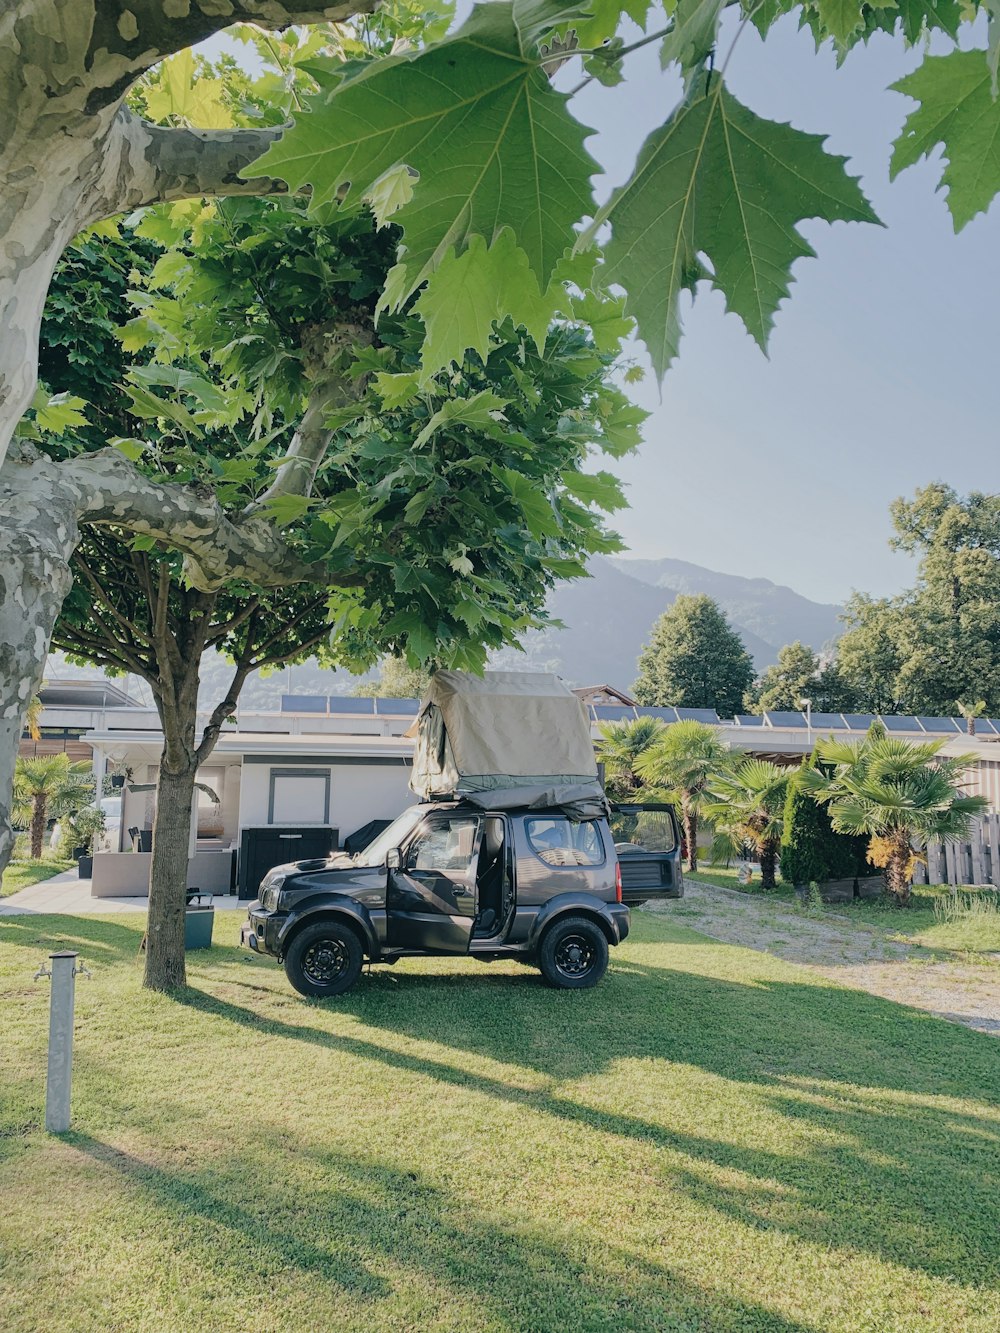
(970, 712)
(619, 749)
(747, 805)
(683, 760)
(50, 785)
(896, 794)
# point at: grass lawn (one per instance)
(713, 1140)
(20, 874)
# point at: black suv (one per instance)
(449, 878)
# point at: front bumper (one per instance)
(260, 930)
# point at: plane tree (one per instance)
(468, 142)
(440, 521)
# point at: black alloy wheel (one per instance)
(324, 959)
(573, 954)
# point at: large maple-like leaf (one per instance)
(718, 181)
(958, 111)
(491, 140)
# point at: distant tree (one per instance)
(898, 795)
(694, 659)
(622, 747)
(785, 683)
(940, 641)
(684, 760)
(398, 680)
(45, 788)
(747, 806)
(796, 676)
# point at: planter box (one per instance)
(85, 867)
(871, 886)
(837, 890)
(198, 924)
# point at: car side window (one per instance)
(444, 845)
(561, 842)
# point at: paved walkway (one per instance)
(66, 894)
(967, 993)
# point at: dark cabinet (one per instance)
(261, 849)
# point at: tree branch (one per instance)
(105, 488)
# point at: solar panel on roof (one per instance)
(827, 722)
(749, 720)
(664, 714)
(698, 715)
(901, 724)
(858, 721)
(786, 718)
(947, 725)
(613, 713)
(348, 703)
(396, 707)
(303, 703)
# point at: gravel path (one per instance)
(966, 993)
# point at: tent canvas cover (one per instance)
(506, 740)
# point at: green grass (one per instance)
(713, 1140)
(20, 874)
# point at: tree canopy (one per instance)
(694, 659)
(937, 644)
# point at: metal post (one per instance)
(60, 1071)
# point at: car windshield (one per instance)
(375, 853)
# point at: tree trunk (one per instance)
(168, 877)
(898, 869)
(37, 539)
(39, 802)
(768, 864)
(691, 837)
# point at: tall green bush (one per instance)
(811, 849)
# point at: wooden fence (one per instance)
(976, 861)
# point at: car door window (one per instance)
(561, 842)
(444, 847)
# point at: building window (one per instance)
(299, 796)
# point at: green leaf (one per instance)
(57, 412)
(475, 116)
(471, 291)
(957, 110)
(696, 27)
(596, 488)
(533, 503)
(394, 390)
(476, 412)
(390, 192)
(285, 509)
(132, 448)
(720, 181)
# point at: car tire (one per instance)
(573, 954)
(324, 960)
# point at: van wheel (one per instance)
(324, 959)
(573, 954)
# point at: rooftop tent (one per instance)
(504, 740)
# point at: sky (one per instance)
(883, 370)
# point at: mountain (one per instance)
(775, 614)
(608, 618)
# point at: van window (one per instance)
(643, 831)
(561, 842)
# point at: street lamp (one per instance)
(807, 704)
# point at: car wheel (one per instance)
(573, 954)
(324, 959)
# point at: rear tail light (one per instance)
(618, 881)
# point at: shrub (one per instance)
(811, 850)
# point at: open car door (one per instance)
(432, 896)
(647, 842)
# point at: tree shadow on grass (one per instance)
(877, 1165)
(113, 941)
(362, 1218)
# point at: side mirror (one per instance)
(393, 859)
